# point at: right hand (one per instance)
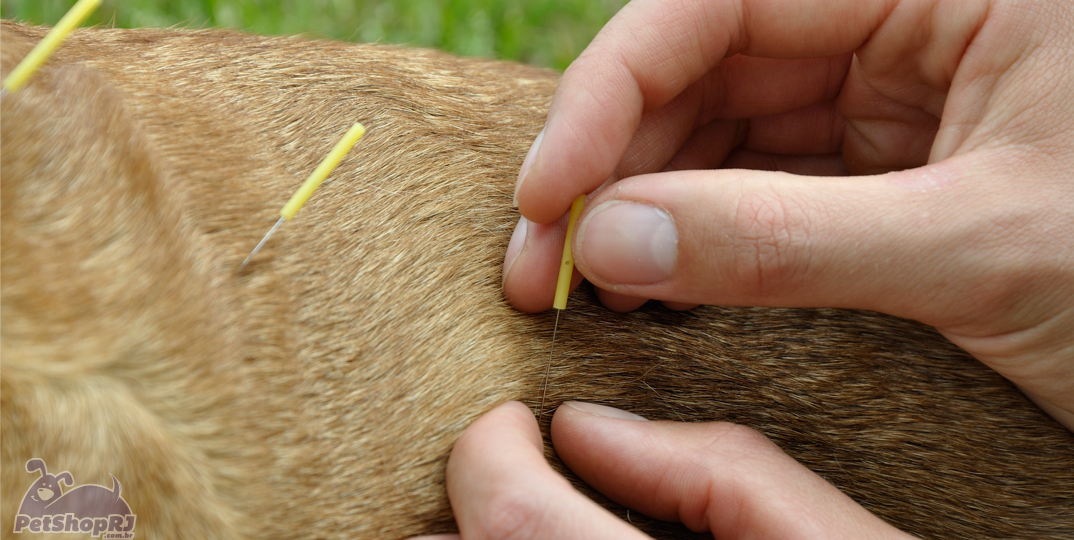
(957, 116)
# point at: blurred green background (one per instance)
(548, 33)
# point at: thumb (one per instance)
(736, 237)
(716, 476)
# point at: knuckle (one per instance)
(747, 438)
(512, 515)
(742, 439)
(733, 445)
(770, 234)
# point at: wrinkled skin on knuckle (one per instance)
(768, 236)
(733, 452)
(737, 439)
(513, 514)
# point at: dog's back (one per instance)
(317, 392)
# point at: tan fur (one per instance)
(317, 393)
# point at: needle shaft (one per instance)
(548, 368)
(44, 48)
(261, 243)
(305, 191)
(563, 289)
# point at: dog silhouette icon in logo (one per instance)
(88, 508)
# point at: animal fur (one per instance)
(317, 393)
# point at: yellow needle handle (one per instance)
(40, 54)
(322, 171)
(566, 268)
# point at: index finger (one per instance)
(649, 53)
(500, 486)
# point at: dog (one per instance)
(317, 392)
(87, 508)
(45, 491)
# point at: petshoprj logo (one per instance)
(84, 509)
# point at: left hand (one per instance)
(716, 476)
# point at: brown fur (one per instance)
(317, 393)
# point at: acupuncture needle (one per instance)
(563, 289)
(44, 48)
(310, 185)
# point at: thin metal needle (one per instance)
(261, 243)
(544, 384)
(305, 191)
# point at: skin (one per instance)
(715, 476)
(919, 155)
(910, 157)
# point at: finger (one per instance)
(680, 306)
(501, 487)
(704, 155)
(531, 265)
(772, 239)
(719, 477)
(635, 65)
(708, 146)
(619, 303)
(818, 165)
(761, 86)
(882, 134)
(816, 129)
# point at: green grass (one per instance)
(549, 33)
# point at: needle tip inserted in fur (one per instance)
(328, 164)
(563, 289)
(44, 48)
(261, 243)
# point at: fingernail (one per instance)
(603, 410)
(527, 164)
(629, 243)
(518, 240)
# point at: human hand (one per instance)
(955, 115)
(716, 477)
